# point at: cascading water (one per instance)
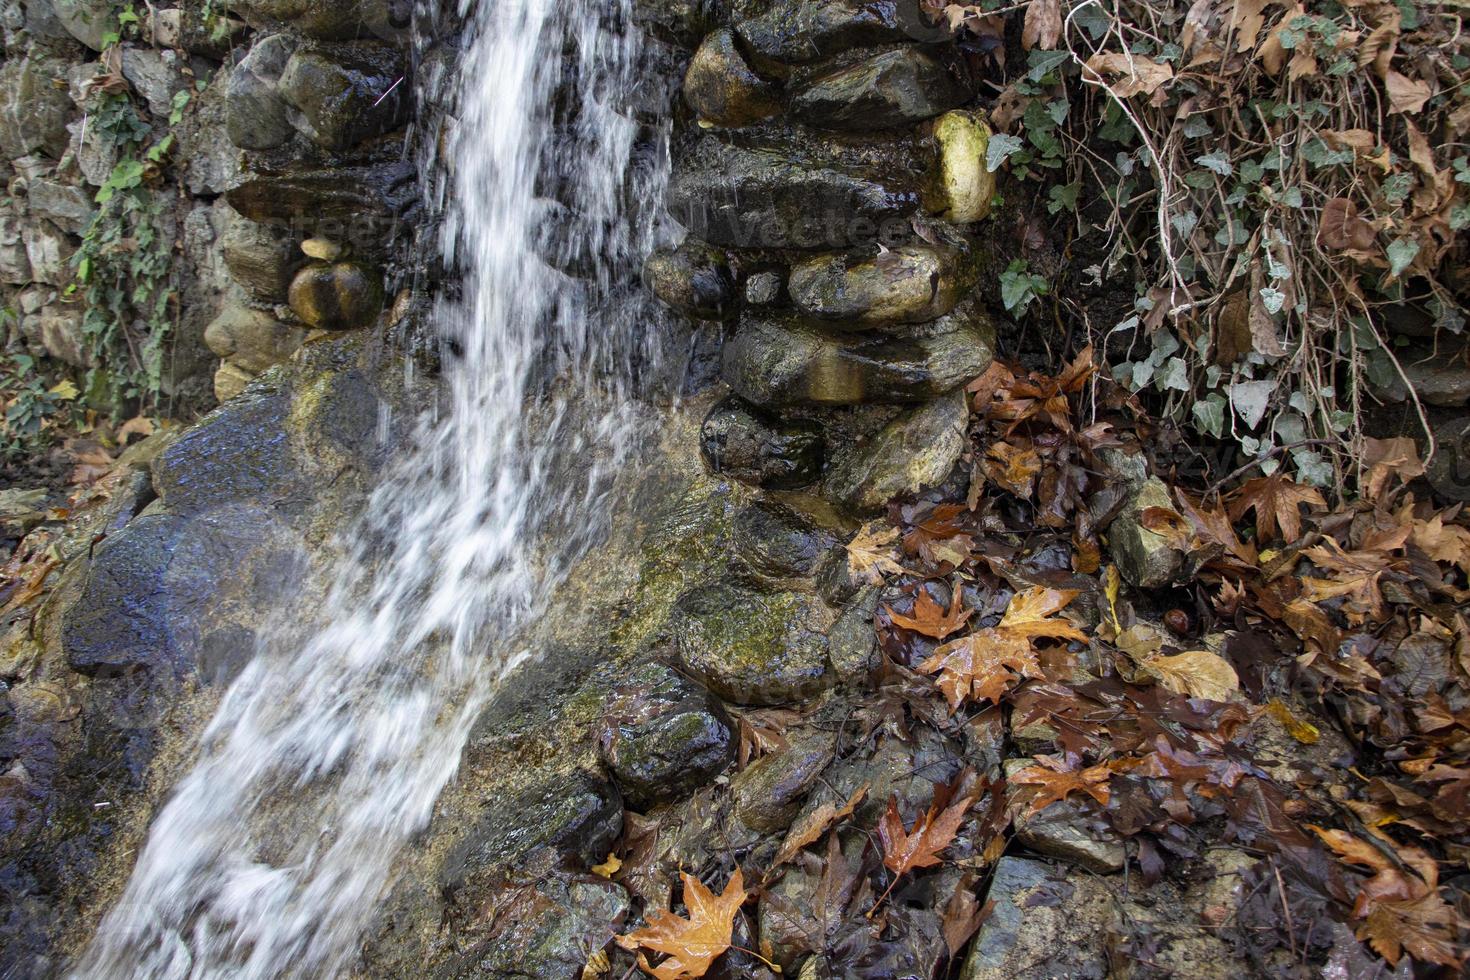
(328, 752)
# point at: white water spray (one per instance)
(328, 752)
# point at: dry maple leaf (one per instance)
(919, 846)
(1055, 782)
(870, 553)
(932, 619)
(1013, 468)
(1134, 74)
(1355, 577)
(691, 945)
(1042, 27)
(985, 664)
(1275, 500)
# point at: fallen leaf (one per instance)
(1303, 731)
(810, 828)
(1406, 95)
(1339, 227)
(691, 945)
(919, 846)
(870, 553)
(1385, 458)
(1133, 74)
(609, 867)
(1197, 673)
(1276, 500)
(1055, 782)
(932, 619)
(1042, 27)
(985, 664)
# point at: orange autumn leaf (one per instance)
(1054, 783)
(985, 664)
(921, 845)
(932, 619)
(691, 945)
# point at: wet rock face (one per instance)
(909, 284)
(780, 362)
(916, 450)
(741, 442)
(662, 736)
(346, 93)
(569, 820)
(752, 648)
(153, 596)
(694, 279)
(336, 296)
(722, 88)
(778, 192)
(807, 30)
(893, 88)
(1145, 557)
(544, 928)
(769, 792)
(330, 20)
(775, 543)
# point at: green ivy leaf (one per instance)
(1401, 253)
(1000, 148)
(1216, 161)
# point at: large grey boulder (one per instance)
(173, 593)
(807, 30)
(34, 107)
(342, 94)
(89, 21)
(256, 115)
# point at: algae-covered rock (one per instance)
(916, 450)
(742, 442)
(662, 736)
(897, 87)
(961, 187)
(752, 648)
(358, 196)
(778, 361)
(909, 284)
(776, 190)
(336, 296)
(693, 278)
(1069, 829)
(723, 89)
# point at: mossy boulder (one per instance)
(342, 94)
(776, 544)
(753, 648)
(802, 31)
(1145, 557)
(908, 284)
(336, 295)
(663, 736)
(722, 88)
(778, 360)
(742, 442)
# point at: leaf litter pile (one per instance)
(1298, 693)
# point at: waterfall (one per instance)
(327, 753)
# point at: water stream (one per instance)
(328, 752)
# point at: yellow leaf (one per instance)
(1111, 583)
(64, 390)
(1303, 731)
(870, 553)
(1198, 673)
(609, 867)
